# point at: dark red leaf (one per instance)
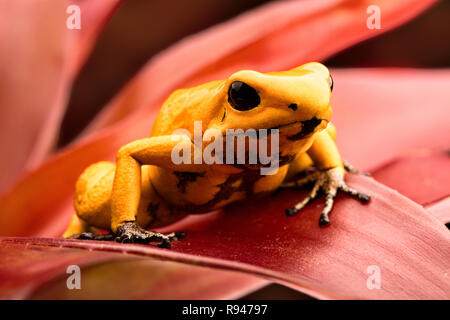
(410, 247)
(31, 271)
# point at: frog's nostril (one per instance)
(293, 106)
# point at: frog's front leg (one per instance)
(329, 177)
(126, 190)
(115, 197)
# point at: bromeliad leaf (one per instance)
(257, 238)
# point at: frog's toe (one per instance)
(349, 168)
(329, 201)
(324, 220)
(124, 238)
(361, 196)
(179, 235)
(299, 206)
(165, 244)
(83, 236)
(92, 236)
(291, 211)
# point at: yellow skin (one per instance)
(145, 188)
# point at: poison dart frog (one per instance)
(146, 187)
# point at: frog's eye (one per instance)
(330, 80)
(242, 97)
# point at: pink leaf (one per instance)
(440, 210)
(383, 113)
(40, 57)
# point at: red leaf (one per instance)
(40, 57)
(422, 176)
(30, 271)
(410, 247)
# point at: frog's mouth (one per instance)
(308, 127)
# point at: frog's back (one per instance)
(184, 106)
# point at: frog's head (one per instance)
(297, 102)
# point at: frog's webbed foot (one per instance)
(329, 181)
(130, 232)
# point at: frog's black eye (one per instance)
(330, 80)
(242, 97)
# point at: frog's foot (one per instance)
(329, 181)
(130, 232)
(92, 236)
(349, 168)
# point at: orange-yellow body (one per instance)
(146, 186)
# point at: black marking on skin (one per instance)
(282, 160)
(184, 178)
(224, 114)
(292, 123)
(226, 190)
(288, 158)
(293, 106)
(308, 127)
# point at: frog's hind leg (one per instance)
(76, 226)
(91, 202)
(79, 229)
